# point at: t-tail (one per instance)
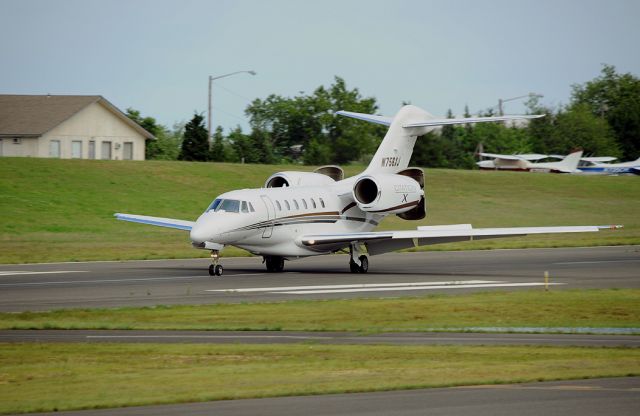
(394, 153)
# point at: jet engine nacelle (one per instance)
(387, 193)
(293, 178)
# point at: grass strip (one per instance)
(604, 308)
(50, 377)
(72, 216)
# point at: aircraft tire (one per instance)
(278, 266)
(218, 270)
(275, 264)
(354, 267)
(211, 270)
(364, 264)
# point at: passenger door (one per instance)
(271, 214)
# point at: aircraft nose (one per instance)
(199, 234)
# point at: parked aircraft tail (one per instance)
(570, 163)
(394, 153)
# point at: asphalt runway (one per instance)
(614, 396)
(294, 337)
(144, 283)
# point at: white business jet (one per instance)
(300, 214)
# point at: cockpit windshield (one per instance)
(227, 205)
(214, 205)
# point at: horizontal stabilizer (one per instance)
(157, 221)
(468, 120)
(385, 121)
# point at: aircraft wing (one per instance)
(386, 241)
(599, 159)
(504, 157)
(157, 221)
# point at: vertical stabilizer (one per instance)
(570, 163)
(395, 151)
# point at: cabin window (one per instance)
(313, 202)
(321, 202)
(287, 204)
(251, 207)
(296, 204)
(244, 207)
(229, 205)
(304, 203)
(279, 206)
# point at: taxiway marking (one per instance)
(599, 262)
(24, 272)
(349, 286)
(432, 287)
(378, 287)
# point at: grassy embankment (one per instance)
(534, 308)
(62, 210)
(49, 377)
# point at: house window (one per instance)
(92, 149)
(105, 151)
(54, 148)
(76, 149)
(17, 140)
(127, 152)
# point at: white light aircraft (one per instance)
(300, 214)
(597, 166)
(568, 164)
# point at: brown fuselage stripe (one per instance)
(348, 207)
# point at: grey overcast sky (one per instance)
(156, 55)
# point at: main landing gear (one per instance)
(358, 263)
(215, 269)
(275, 264)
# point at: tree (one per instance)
(166, 145)
(616, 98)
(278, 123)
(578, 128)
(195, 144)
(217, 153)
(317, 153)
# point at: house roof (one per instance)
(34, 115)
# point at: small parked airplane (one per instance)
(300, 214)
(524, 162)
(596, 166)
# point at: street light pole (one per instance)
(501, 101)
(211, 79)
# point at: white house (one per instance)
(68, 127)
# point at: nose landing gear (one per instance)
(215, 269)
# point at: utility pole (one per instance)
(211, 79)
